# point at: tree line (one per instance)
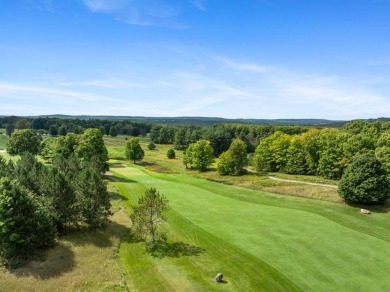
(39, 201)
(60, 127)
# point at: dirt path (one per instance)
(302, 182)
(296, 181)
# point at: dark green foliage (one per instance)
(220, 138)
(365, 181)
(92, 197)
(134, 150)
(91, 149)
(62, 130)
(151, 146)
(53, 130)
(4, 168)
(28, 171)
(113, 131)
(66, 146)
(58, 197)
(70, 166)
(23, 141)
(233, 161)
(180, 139)
(22, 124)
(199, 155)
(148, 215)
(25, 226)
(171, 153)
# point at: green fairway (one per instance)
(270, 242)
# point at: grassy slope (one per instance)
(192, 258)
(317, 245)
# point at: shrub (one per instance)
(365, 181)
(171, 154)
(151, 146)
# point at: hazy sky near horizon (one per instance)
(222, 58)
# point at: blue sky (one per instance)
(220, 58)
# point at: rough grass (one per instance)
(3, 141)
(83, 260)
(263, 183)
(317, 245)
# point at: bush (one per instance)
(151, 146)
(171, 154)
(365, 181)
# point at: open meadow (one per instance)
(259, 240)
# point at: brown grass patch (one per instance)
(85, 260)
(262, 183)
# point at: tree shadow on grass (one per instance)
(117, 165)
(174, 250)
(115, 196)
(385, 208)
(59, 260)
(84, 235)
(120, 179)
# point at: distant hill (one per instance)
(204, 121)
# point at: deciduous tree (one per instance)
(365, 181)
(91, 148)
(199, 155)
(134, 150)
(23, 141)
(233, 161)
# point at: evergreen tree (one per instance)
(171, 153)
(25, 226)
(92, 197)
(148, 215)
(59, 197)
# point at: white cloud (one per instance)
(198, 4)
(7, 89)
(105, 5)
(103, 83)
(140, 12)
(247, 67)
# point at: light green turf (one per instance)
(3, 141)
(202, 256)
(319, 246)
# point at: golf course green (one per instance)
(259, 241)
